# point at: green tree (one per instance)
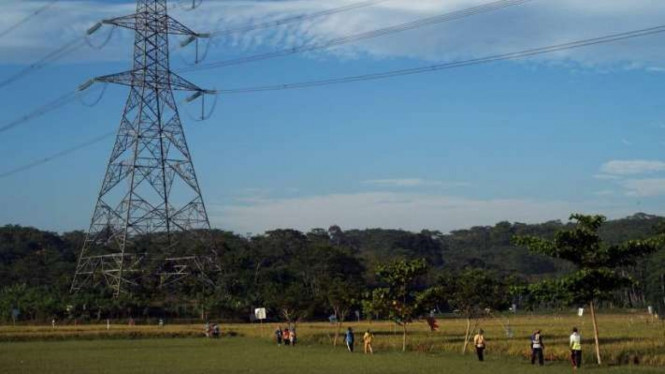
(401, 297)
(597, 263)
(338, 276)
(471, 293)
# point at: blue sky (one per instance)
(530, 140)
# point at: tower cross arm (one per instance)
(167, 25)
(139, 78)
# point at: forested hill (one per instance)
(38, 265)
(35, 257)
(484, 246)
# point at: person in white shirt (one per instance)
(537, 347)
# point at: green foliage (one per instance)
(322, 271)
(597, 263)
(400, 294)
(473, 291)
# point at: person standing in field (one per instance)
(348, 338)
(537, 347)
(479, 342)
(278, 335)
(576, 349)
(367, 341)
(287, 337)
(292, 337)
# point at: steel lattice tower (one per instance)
(150, 191)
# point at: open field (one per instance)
(248, 355)
(625, 338)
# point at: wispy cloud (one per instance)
(606, 177)
(631, 167)
(533, 24)
(604, 193)
(408, 211)
(644, 187)
(412, 182)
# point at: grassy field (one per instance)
(248, 355)
(625, 338)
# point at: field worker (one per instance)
(292, 337)
(278, 335)
(575, 349)
(479, 342)
(348, 338)
(537, 347)
(287, 337)
(367, 341)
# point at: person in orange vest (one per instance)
(479, 342)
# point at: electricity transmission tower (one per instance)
(150, 206)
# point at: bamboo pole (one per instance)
(595, 331)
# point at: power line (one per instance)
(51, 57)
(48, 107)
(393, 73)
(455, 64)
(446, 17)
(27, 18)
(80, 42)
(298, 18)
(57, 155)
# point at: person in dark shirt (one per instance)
(537, 347)
(278, 335)
(349, 339)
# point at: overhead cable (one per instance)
(27, 18)
(49, 58)
(446, 17)
(46, 108)
(424, 69)
(454, 64)
(57, 155)
(298, 18)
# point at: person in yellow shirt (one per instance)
(479, 343)
(367, 340)
(575, 349)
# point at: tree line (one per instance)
(331, 271)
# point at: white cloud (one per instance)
(408, 211)
(631, 167)
(533, 24)
(404, 182)
(412, 182)
(606, 177)
(604, 193)
(644, 187)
